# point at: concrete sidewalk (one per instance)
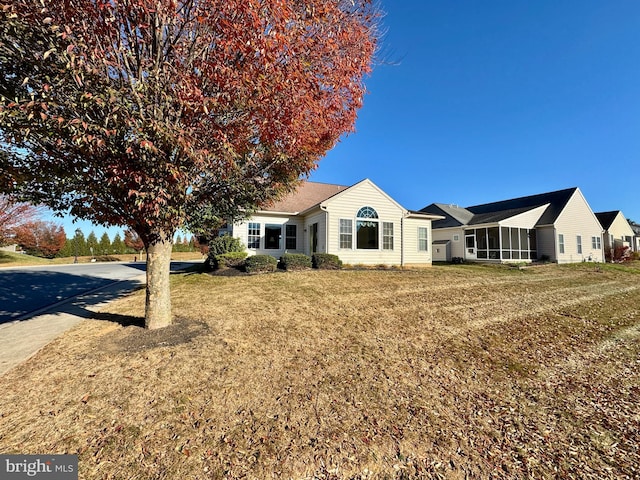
(21, 339)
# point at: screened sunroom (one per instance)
(500, 243)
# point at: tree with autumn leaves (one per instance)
(147, 114)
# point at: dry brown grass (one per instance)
(11, 259)
(451, 372)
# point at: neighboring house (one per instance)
(636, 236)
(361, 224)
(557, 226)
(9, 248)
(617, 231)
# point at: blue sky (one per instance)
(480, 101)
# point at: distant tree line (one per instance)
(129, 244)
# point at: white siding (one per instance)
(526, 219)
(320, 218)
(457, 247)
(346, 205)
(240, 230)
(577, 218)
(412, 254)
(621, 232)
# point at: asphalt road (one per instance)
(27, 291)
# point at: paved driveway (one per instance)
(39, 303)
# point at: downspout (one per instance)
(326, 228)
(402, 241)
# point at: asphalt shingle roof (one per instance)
(307, 195)
(607, 218)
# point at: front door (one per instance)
(313, 238)
(470, 247)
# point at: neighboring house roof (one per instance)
(607, 218)
(307, 195)
(635, 227)
(557, 201)
(497, 211)
(495, 217)
(454, 216)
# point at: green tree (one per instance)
(118, 245)
(92, 244)
(104, 246)
(149, 114)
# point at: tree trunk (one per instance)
(158, 304)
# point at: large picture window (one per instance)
(272, 237)
(253, 237)
(367, 229)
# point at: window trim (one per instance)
(344, 235)
(424, 239)
(388, 239)
(255, 243)
(579, 244)
(561, 243)
(288, 237)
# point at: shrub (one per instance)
(225, 244)
(260, 264)
(295, 261)
(229, 260)
(326, 261)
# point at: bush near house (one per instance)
(226, 260)
(326, 261)
(225, 251)
(620, 254)
(260, 264)
(225, 244)
(295, 261)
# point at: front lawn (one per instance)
(449, 372)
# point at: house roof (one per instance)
(607, 218)
(557, 201)
(495, 217)
(454, 216)
(307, 195)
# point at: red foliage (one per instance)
(133, 241)
(12, 215)
(137, 111)
(43, 239)
(143, 114)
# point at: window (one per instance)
(423, 239)
(272, 237)
(367, 212)
(291, 237)
(561, 243)
(387, 235)
(579, 243)
(595, 243)
(346, 233)
(253, 239)
(456, 238)
(367, 230)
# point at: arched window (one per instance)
(367, 228)
(367, 212)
